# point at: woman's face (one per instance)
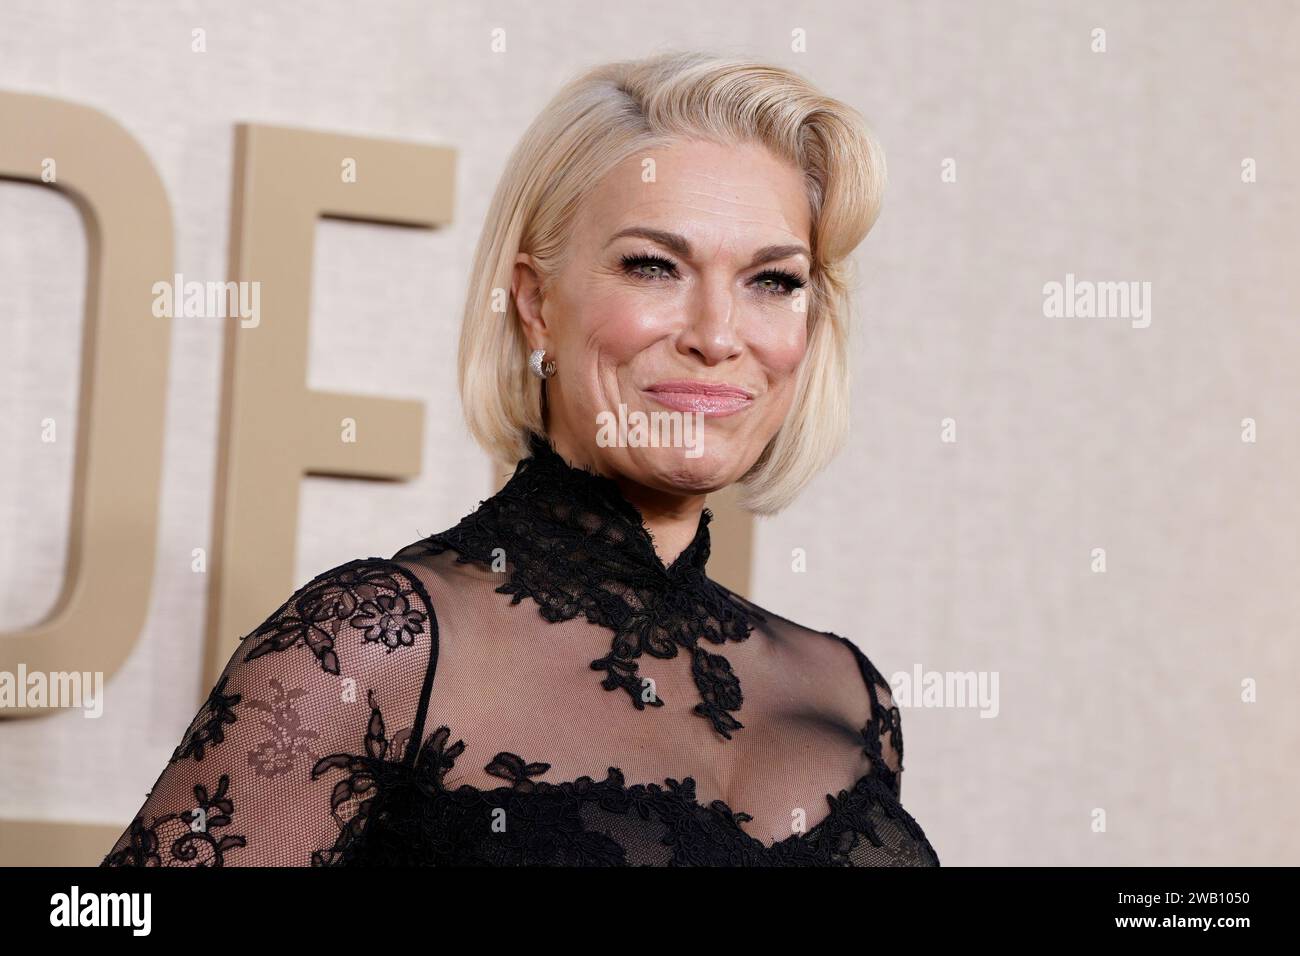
(683, 274)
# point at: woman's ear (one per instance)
(526, 289)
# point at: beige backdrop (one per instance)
(1119, 692)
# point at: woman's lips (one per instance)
(712, 400)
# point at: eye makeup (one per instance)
(632, 265)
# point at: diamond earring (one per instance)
(540, 368)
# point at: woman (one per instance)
(672, 233)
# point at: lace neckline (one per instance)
(671, 798)
(576, 545)
(558, 483)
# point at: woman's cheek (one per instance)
(634, 325)
(780, 350)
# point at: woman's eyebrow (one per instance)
(771, 253)
(671, 240)
(679, 244)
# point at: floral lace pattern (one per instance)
(577, 546)
(371, 597)
(886, 723)
(413, 818)
(195, 846)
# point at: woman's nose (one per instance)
(711, 329)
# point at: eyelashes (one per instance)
(633, 263)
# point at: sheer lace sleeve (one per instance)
(883, 734)
(282, 762)
(886, 735)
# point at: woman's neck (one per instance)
(672, 519)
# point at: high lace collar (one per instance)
(576, 545)
(579, 500)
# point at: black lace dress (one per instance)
(534, 687)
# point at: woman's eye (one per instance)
(784, 282)
(648, 267)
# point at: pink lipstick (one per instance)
(705, 397)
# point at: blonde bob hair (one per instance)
(615, 111)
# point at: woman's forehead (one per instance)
(701, 190)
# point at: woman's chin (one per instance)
(684, 470)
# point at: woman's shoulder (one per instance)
(363, 601)
(882, 725)
(828, 644)
(446, 574)
(412, 579)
